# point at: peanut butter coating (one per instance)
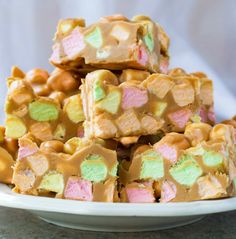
(114, 42)
(144, 105)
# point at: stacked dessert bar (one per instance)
(112, 123)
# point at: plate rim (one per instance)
(54, 205)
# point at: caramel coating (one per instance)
(52, 146)
(63, 81)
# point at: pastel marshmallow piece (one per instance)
(168, 152)
(142, 56)
(128, 123)
(111, 102)
(78, 189)
(159, 85)
(186, 171)
(212, 159)
(180, 118)
(133, 97)
(152, 165)
(26, 148)
(59, 132)
(168, 191)
(183, 94)
(148, 39)
(98, 92)
(15, 127)
(93, 168)
(94, 38)
(209, 187)
(52, 182)
(120, 33)
(139, 195)
(39, 163)
(72, 44)
(24, 179)
(159, 108)
(74, 109)
(43, 111)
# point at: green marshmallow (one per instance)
(152, 165)
(159, 108)
(111, 103)
(102, 53)
(186, 171)
(148, 39)
(212, 159)
(98, 91)
(93, 168)
(94, 38)
(113, 171)
(42, 111)
(234, 182)
(53, 182)
(196, 119)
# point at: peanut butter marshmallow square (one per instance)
(136, 103)
(196, 165)
(114, 43)
(77, 169)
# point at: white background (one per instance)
(203, 35)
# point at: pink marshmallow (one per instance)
(26, 148)
(55, 57)
(164, 65)
(133, 97)
(73, 43)
(139, 195)
(79, 189)
(203, 114)
(142, 56)
(180, 117)
(80, 132)
(167, 152)
(168, 191)
(211, 115)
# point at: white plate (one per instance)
(114, 216)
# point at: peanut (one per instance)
(52, 146)
(63, 81)
(17, 72)
(37, 76)
(113, 18)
